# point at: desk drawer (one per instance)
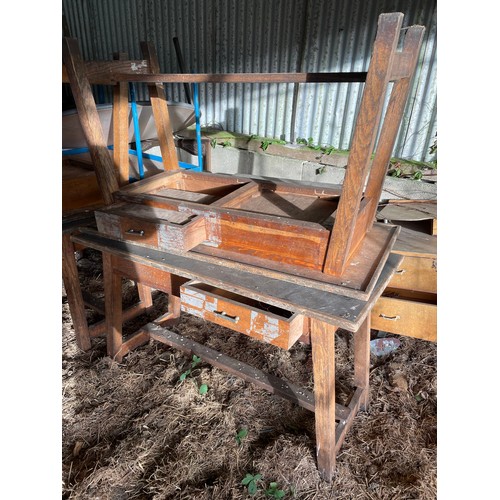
(151, 226)
(416, 273)
(410, 316)
(264, 322)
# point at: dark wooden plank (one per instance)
(338, 77)
(363, 142)
(323, 354)
(267, 381)
(346, 312)
(100, 72)
(120, 127)
(89, 119)
(160, 111)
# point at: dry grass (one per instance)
(134, 431)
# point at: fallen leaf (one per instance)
(399, 380)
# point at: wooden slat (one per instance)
(365, 132)
(89, 120)
(363, 222)
(343, 427)
(237, 197)
(323, 354)
(160, 112)
(346, 312)
(267, 381)
(120, 127)
(113, 306)
(98, 329)
(401, 65)
(74, 293)
(392, 121)
(145, 295)
(100, 72)
(338, 77)
(362, 361)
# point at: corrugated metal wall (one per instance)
(226, 36)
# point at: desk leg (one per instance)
(145, 295)
(74, 293)
(113, 307)
(323, 356)
(362, 361)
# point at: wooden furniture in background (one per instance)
(408, 306)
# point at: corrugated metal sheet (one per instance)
(219, 36)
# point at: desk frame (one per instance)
(161, 270)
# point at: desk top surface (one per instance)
(344, 312)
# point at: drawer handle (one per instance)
(224, 315)
(400, 271)
(139, 232)
(391, 318)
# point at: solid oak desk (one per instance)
(318, 313)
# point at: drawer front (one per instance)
(164, 236)
(416, 273)
(127, 228)
(139, 231)
(405, 317)
(225, 309)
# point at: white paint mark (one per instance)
(214, 237)
(136, 67)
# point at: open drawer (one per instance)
(264, 322)
(411, 314)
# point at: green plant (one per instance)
(226, 143)
(310, 144)
(203, 389)
(266, 142)
(250, 481)
(213, 142)
(417, 175)
(194, 363)
(274, 492)
(242, 434)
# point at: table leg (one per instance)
(74, 293)
(362, 361)
(113, 307)
(323, 356)
(145, 295)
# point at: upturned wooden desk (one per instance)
(235, 299)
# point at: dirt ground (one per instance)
(134, 430)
